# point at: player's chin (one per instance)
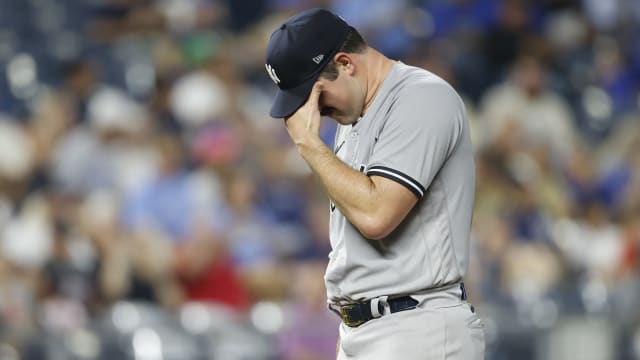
(347, 120)
(341, 118)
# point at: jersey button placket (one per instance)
(353, 147)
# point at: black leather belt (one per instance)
(354, 315)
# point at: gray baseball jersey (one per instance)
(415, 133)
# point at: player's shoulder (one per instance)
(415, 82)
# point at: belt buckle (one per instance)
(346, 318)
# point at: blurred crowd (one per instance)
(151, 209)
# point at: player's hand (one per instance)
(304, 125)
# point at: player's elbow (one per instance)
(374, 228)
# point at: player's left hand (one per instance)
(304, 125)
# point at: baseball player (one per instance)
(401, 185)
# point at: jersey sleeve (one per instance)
(422, 128)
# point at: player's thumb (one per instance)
(315, 94)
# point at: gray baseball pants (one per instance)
(442, 327)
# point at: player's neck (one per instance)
(378, 67)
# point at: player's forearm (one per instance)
(352, 192)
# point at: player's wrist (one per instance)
(312, 148)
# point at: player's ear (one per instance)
(344, 62)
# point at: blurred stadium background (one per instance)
(150, 209)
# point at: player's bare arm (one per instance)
(374, 205)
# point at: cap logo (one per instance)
(318, 58)
(272, 74)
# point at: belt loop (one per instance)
(333, 309)
(375, 306)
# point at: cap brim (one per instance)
(289, 101)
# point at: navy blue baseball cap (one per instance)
(296, 54)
